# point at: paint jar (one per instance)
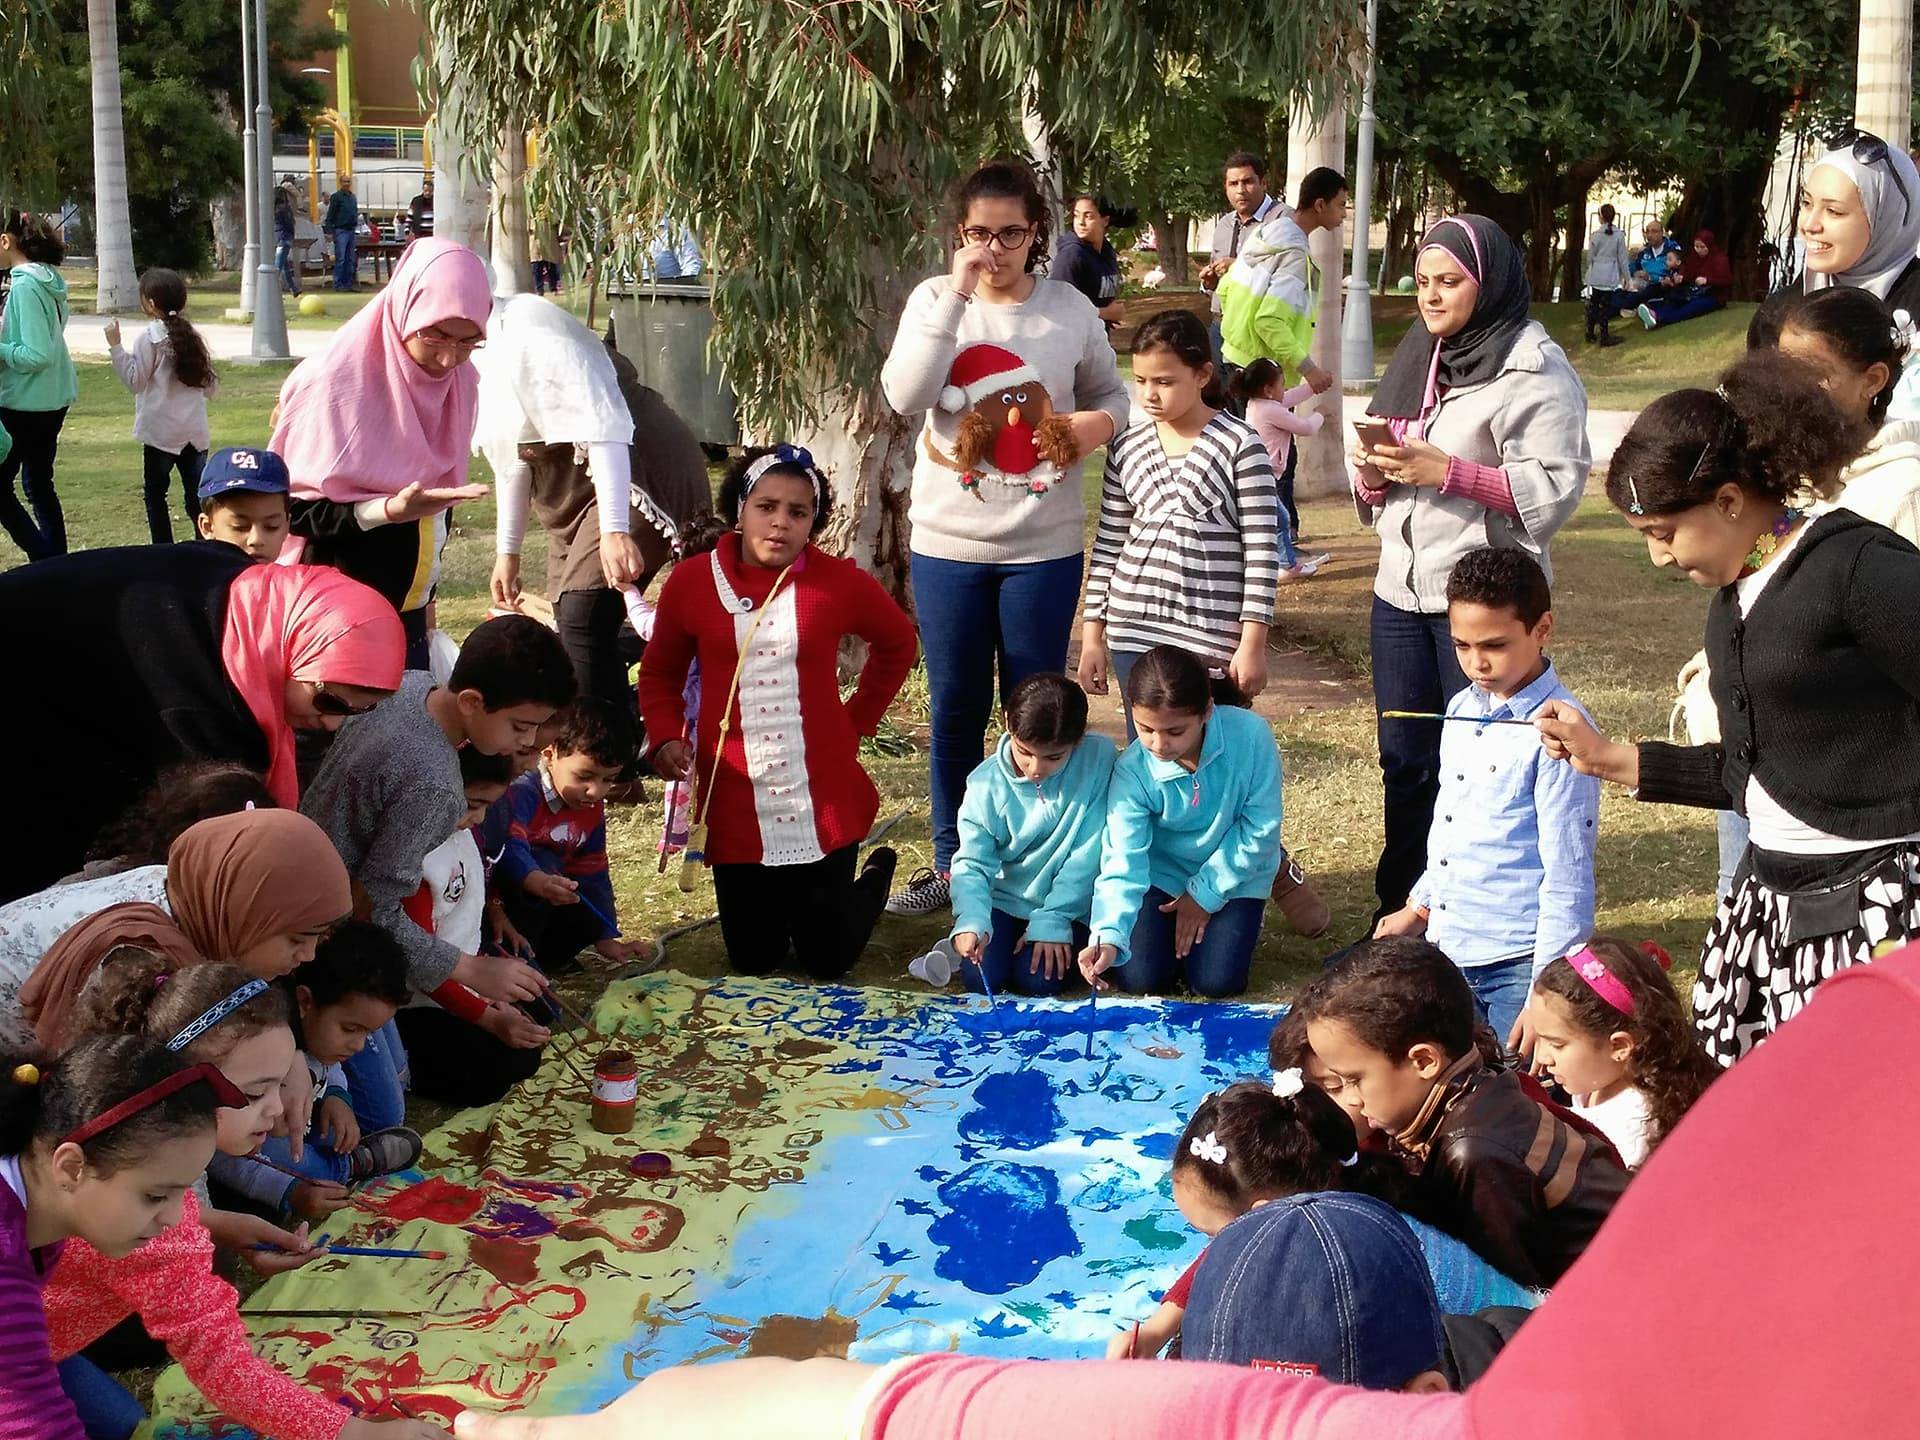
(616, 1085)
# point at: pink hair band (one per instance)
(1602, 981)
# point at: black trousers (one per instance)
(556, 932)
(820, 915)
(36, 440)
(591, 624)
(460, 1064)
(160, 465)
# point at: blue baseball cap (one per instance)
(243, 468)
(1331, 1284)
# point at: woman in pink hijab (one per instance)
(376, 432)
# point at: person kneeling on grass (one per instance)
(776, 763)
(243, 501)
(553, 875)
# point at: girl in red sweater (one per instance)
(776, 761)
(217, 1015)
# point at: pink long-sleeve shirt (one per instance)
(32, 1404)
(169, 1283)
(1277, 422)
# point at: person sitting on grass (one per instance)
(553, 876)
(465, 1049)
(243, 501)
(390, 791)
(1704, 284)
(1508, 886)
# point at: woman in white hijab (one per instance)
(1860, 220)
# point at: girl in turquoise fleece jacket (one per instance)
(37, 380)
(1193, 838)
(1030, 830)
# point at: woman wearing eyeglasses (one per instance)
(127, 661)
(1860, 221)
(376, 431)
(1019, 386)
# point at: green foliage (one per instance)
(179, 64)
(25, 30)
(809, 142)
(1165, 155)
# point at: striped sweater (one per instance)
(1188, 550)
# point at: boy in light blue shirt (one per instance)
(1030, 830)
(1509, 881)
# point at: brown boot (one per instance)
(1306, 912)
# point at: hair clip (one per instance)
(1656, 952)
(161, 979)
(1209, 1148)
(215, 1013)
(1351, 1161)
(1721, 391)
(1288, 1083)
(1633, 490)
(26, 1074)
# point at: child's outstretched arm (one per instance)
(1122, 882)
(1147, 1338)
(983, 839)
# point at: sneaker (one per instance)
(1303, 568)
(926, 892)
(1645, 312)
(383, 1153)
(1306, 912)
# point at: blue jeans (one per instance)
(1733, 829)
(1217, 966)
(1682, 305)
(1010, 970)
(1413, 669)
(975, 618)
(1501, 991)
(283, 258)
(378, 1075)
(107, 1408)
(345, 270)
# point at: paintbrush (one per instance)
(339, 1315)
(373, 1251)
(560, 1003)
(598, 914)
(1093, 1017)
(1457, 719)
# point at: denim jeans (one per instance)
(1009, 970)
(378, 1075)
(1501, 990)
(107, 1408)
(974, 619)
(36, 441)
(1682, 305)
(283, 258)
(1217, 966)
(345, 271)
(1413, 669)
(317, 1161)
(1733, 829)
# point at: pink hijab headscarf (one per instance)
(364, 420)
(305, 622)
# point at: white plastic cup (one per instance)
(936, 967)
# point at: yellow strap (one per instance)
(733, 691)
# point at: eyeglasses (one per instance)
(1870, 149)
(447, 343)
(1011, 238)
(327, 703)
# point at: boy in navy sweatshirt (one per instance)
(553, 874)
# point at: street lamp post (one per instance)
(1356, 330)
(250, 256)
(269, 310)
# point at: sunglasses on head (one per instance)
(1870, 149)
(327, 703)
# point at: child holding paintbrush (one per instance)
(1508, 886)
(553, 875)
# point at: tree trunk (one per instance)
(1312, 141)
(1883, 94)
(512, 249)
(113, 226)
(867, 451)
(1727, 200)
(1173, 250)
(460, 198)
(228, 216)
(1573, 260)
(1541, 228)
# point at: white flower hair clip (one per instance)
(1288, 1083)
(1209, 1148)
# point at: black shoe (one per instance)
(1607, 341)
(877, 873)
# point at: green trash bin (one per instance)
(662, 327)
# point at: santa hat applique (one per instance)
(978, 371)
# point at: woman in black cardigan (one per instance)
(1814, 644)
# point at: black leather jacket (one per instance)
(1507, 1175)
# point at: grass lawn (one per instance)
(1623, 632)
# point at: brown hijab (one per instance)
(232, 882)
